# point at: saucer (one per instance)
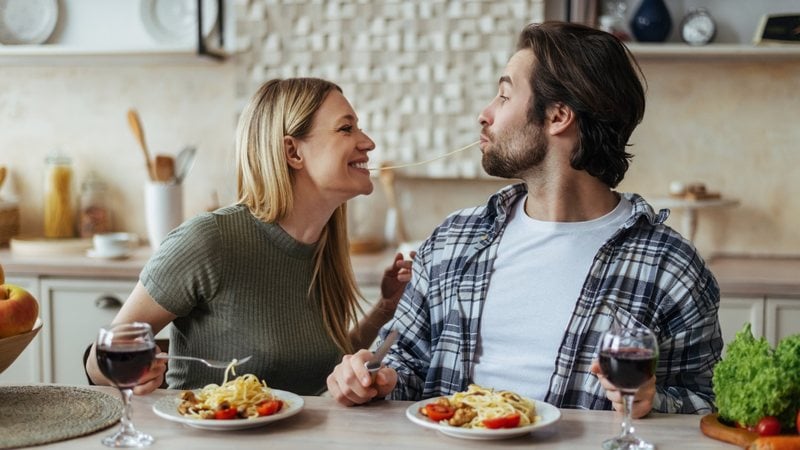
(122, 254)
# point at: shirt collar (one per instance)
(500, 204)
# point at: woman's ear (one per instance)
(292, 153)
(562, 117)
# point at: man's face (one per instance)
(510, 144)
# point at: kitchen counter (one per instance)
(737, 275)
(368, 268)
(772, 276)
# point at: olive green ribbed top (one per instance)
(239, 287)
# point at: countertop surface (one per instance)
(777, 276)
(322, 423)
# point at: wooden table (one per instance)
(383, 425)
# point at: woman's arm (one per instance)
(394, 281)
(139, 307)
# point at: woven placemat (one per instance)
(33, 415)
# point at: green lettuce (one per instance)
(754, 381)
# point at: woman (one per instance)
(270, 276)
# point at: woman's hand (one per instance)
(394, 281)
(642, 401)
(153, 378)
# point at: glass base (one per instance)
(627, 443)
(128, 440)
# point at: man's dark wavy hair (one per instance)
(595, 75)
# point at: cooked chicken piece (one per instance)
(188, 396)
(462, 416)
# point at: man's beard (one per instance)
(514, 153)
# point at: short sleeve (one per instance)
(184, 273)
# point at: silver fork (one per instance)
(209, 362)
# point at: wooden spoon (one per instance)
(138, 132)
(165, 168)
(2, 175)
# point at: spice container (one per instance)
(59, 215)
(94, 215)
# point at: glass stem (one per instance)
(627, 422)
(125, 422)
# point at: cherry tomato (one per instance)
(437, 412)
(509, 421)
(269, 407)
(768, 426)
(225, 414)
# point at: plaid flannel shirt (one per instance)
(645, 274)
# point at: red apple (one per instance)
(18, 310)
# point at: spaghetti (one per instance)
(481, 407)
(427, 160)
(244, 397)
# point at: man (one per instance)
(515, 294)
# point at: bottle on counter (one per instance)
(59, 215)
(94, 215)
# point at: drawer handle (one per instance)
(108, 302)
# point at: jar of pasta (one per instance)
(59, 215)
(94, 215)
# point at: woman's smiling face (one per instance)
(334, 153)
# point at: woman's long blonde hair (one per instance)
(264, 182)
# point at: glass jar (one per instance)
(59, 215)
(95, 214)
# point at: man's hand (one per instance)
(642, 401)
(351, 383)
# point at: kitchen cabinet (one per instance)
(73, 310)
(28, 365)
(782, 318)
(773, 318)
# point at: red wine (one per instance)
(628, 368)
(125, 364)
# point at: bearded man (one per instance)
(514, 294)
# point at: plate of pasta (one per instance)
(483, 413)
(244, 402)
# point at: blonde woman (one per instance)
(270, 276)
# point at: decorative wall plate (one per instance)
(27, 21)
(175, 21)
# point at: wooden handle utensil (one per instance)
(165, 168)
(138, 132)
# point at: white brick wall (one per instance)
(418, 72)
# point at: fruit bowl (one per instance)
(12, 346)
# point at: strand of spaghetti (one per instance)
(425, 161)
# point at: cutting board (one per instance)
(713, 428)
(40, 246)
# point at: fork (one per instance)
(209, 362)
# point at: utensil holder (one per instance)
(163, 203)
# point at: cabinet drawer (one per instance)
(75, 309)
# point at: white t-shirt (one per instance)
(535, 283)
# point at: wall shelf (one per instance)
(715, 51)
(53, 54)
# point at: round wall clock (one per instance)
(698, 27)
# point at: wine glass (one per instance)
(124, 353)
(628, 358)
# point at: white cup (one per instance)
(163, 204)
(112, 245)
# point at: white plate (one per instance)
(167, 408)
(175, 21)
(546, 413)
(92, 253)
(27, 21)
